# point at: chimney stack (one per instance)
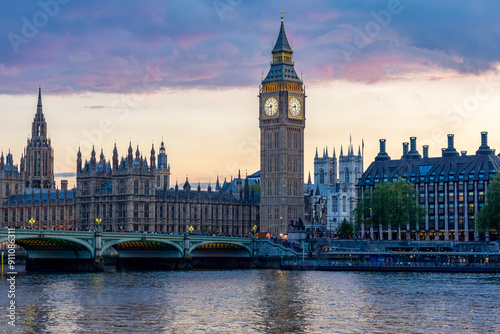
(484, 149)
(382, 146)
(450, 151)
(405, 148)
(450, 141)
(425, 149)
(484, 138)
(382, 155)
(413, 144)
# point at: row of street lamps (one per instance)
(99, 220)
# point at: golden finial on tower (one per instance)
(282, 12)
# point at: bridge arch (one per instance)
(144, 244)
(236, 247)
(51, 243)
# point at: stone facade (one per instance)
(124, 196)
(282, 123)
(335, 182)
(27, 191)
(36, 168)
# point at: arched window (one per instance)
(321, 176)
(146, 188)
(347, 179)
(136, 187)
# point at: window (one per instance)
(146, 210)
(136, 187)
(61, 214)
(146, 188)
(136, 210)
(121, 187)
(334, 204)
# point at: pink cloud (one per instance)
(323, 16)
(186, 42)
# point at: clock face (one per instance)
(271, 106)
(294, 106)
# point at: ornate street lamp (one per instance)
(32, 221)
(191, 229)
(98, 221)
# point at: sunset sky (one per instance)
(189, 72)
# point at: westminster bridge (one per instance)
(61, 250)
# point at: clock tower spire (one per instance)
(282, 123)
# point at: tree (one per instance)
(488, 217)
(392, 204)
(345, 229)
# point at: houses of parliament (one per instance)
(120, 194)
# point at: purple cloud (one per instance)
(115, 46)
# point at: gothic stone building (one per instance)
(336, 183)
(126, 196)
(452, 188)
(27, 191)
(36, 168)
(282, 123)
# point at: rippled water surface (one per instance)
(255, 301)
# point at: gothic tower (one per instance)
(39, 161)
(282, 123)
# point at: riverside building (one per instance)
(452, 189)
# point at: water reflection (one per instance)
(282, 302)
(256, 301)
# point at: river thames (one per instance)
(254, 301)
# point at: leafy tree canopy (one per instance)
(488, 217)
(345, 229)
(393, 204)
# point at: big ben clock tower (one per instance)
(282, 123)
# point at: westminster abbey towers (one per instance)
(282, 123)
